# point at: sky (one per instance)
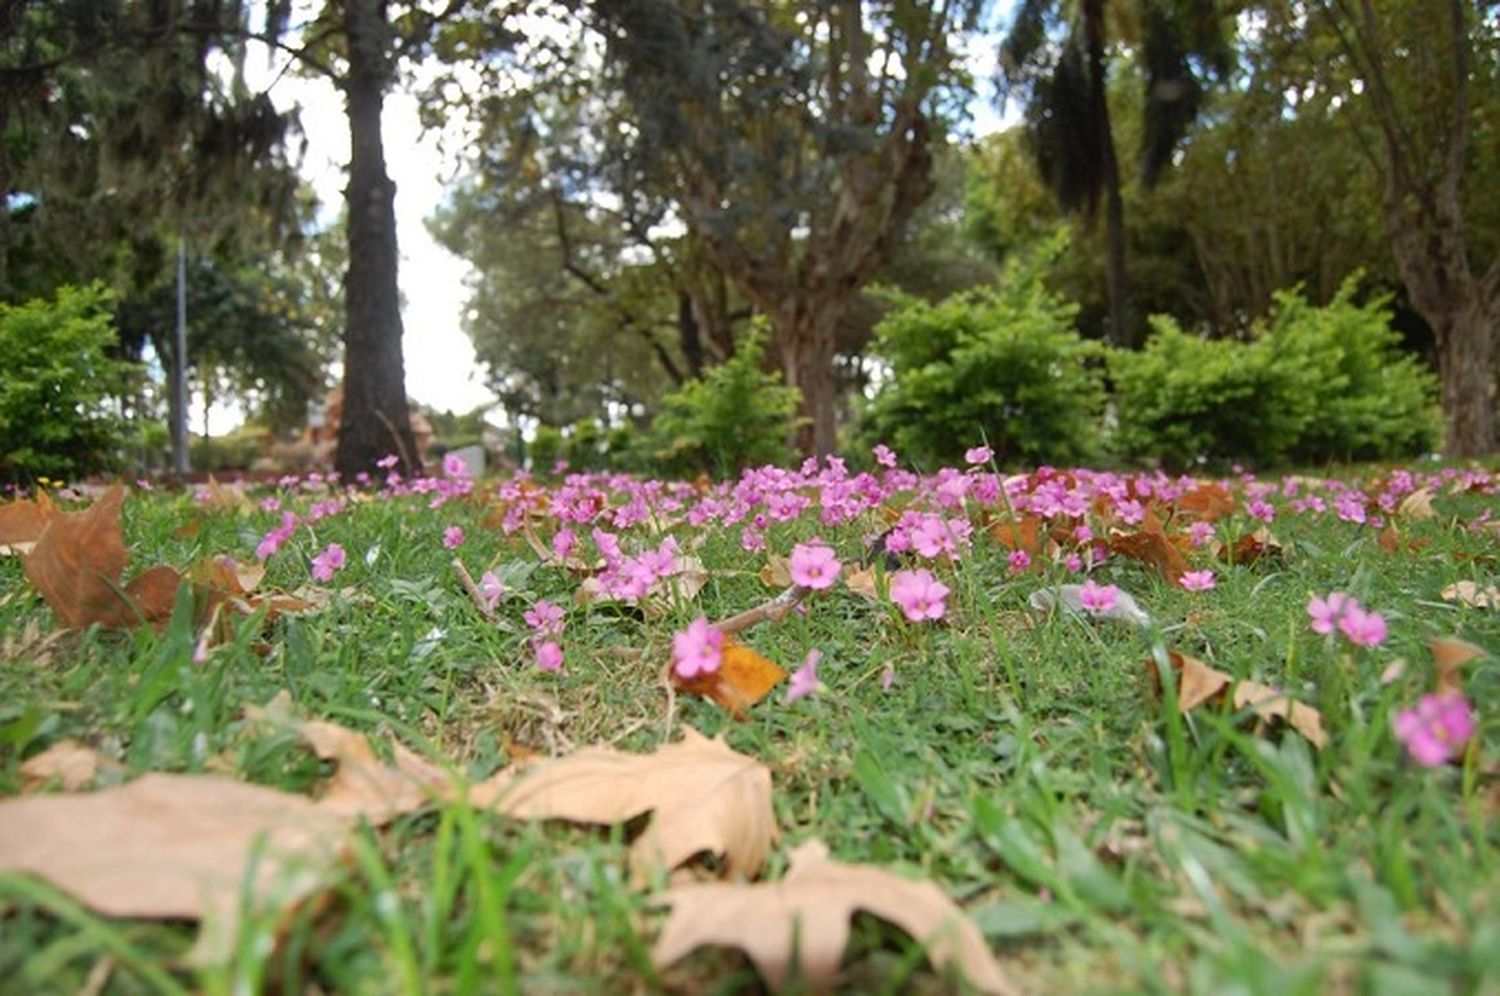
(441, 369)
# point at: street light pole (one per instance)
(179, 371)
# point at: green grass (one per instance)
(1102, 842)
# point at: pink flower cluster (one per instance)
(1436, 731)
(697, 650)
(1361, 626)
(920, 596)
(546, 622)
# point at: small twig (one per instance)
(467, 580)
(671, 687)
(772, 611)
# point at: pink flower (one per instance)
(544, 617)
(919, 594)
(887, 678)
(549, 655)
(805, 679)
(884, 456)
(814, 566)
(388, 461)
(1019, 561)
(1097, 598)
(492, 588)
(453, 537)
(1363, 627)
(699, 649)
(1073, 563)
(327, 562)
(563, 543)
(1325, 612)
(1199, 533)
(1262, 509)
(1437, 729)
(978, 455)
(454, 467)
(1197, 580)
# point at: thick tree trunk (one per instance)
(803, 340)
(375, 420)
(1114, 204)
(1466, 364)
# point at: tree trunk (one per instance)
(1465, 345)
(804, 344)
(375, 421)
(1114, 205)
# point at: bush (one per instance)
(1000, 363)
(736, 416)
(237, 450)
(57, 386)
(1313, 384)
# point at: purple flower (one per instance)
(1019, 561)
(699, 649)
(326, 563)
(1096, 598)
(1325, 612)
(453, 537)
(549, 655)
(544, 617)
(492, 588)
(1197, 580)
(814, 565)
(805, 679)
(1363, 627)
(1437, 729)
(978, 455)
(919, 594)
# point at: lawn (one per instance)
(1267, 823)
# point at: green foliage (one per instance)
(1316, 383)
(1002, 364)
(57, 385)
(736, 416)
(237, 450)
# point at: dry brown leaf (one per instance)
(175, 847)
(776, 572)
(1023, 535)
(1208, 502)
(22, 522)
(1251, 547)
(1470, 594)
(1153, 548)
(77, 563)
(1272, 703)
(800, 925)
(1417, 505)
(861, 581)
(703, 796)
(743, 678)
(362, 784)
(1197, 682)
(1449, 656)
(67, 764)
(224, 497)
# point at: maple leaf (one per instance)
(1199, 684)
(703, 797)
(1207, 502)
(77, 563)
(801, 923)
(22, 522)
(742, 679)
(175, 847)
(1151, 546)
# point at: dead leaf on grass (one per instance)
(1417, 506)
(800, 925)
(861, 581)
(1470, 594)
(1251, 547)
(1197, 683)
(67, 764)
(1152, 547)
(703, 797)
(77, 564)
(22, 522)
(776, 572)
(1200, 684)
(1450, 656)
(177, 847)
(1207, 502)
(1273, 704)
(743, 678)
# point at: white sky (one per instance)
(441, 369)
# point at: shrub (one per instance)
(1313, 384)
(237, 450)
(736, 416)
(1003, 363)
(57, 386)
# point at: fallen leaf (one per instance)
(1449, 657)
(1272, 703)
(776, 572)
(1251, 547)
(1197, 683)
(22, 522)
(362, 785)
(1020, 535)
(67, 764)
(77, 563)
(704, 797)
(743, 678)
(1417, 505)
(224, 497)
(1207, 502)
(801, 924)
(1153, 548)
(861, 581)
(182, 847)
(1470, 594)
